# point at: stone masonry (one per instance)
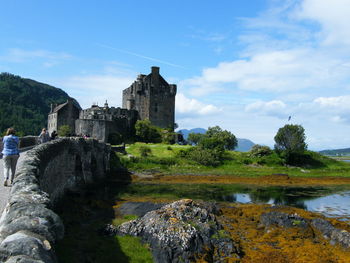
(28, 226)
(149, 97)
(153, 98)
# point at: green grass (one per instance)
(118, 221)
(160, 150)
(134, 250)
(164, 159)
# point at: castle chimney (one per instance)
(155, 76)
(155, 71)
(51, 106)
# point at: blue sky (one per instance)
(243, 65)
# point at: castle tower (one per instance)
(153, 98)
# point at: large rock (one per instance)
(183, 231)
(335, 235)
(328, 231)
(280, 219)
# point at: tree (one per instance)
(168, 136)
(227, 139)
(194, 138)
(210, 147)
(260, 150)
(146, 132)
(64, 131)
(290, 142)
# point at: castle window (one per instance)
(155, 107)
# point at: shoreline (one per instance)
(268, 180)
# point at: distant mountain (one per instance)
(25, 103)
(244, 145)
(186, 132)
(337, 152)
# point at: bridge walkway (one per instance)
(5, 191)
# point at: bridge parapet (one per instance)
(28, 226)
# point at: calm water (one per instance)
(312, 199)
(332, 201)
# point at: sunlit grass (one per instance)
(164, 159)
(120, 220)
(134, 250)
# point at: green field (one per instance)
(164, 159)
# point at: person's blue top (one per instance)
(10, 143)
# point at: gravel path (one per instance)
(5, 191)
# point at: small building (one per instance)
(153, 98)
(63, 114)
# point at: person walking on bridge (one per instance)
(11, 155)
(44, 136)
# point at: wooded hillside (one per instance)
(25, 103)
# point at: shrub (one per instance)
(146, 132)
(145, 151)
(260, 150)
(168, 137)
(163, 161)
(206, 157)
(194, 138)
(210, 143)
(64, 131)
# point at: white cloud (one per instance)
(333, 16)
(337, 109)
(191, 107)
(96, 88)
(341, 102)
(275, 108)
(274, 71)
(18, 55)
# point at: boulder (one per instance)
(335, 235)
(183, 231)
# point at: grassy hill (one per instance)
(164, 159)
(25, 103)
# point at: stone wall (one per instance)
(154, 99)
(28, 225)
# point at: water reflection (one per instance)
(330, 202)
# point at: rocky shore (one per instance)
(196, 231)
(183, 231)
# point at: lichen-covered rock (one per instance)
(26, 244)
(23, 259)
(335, 235)
(182, 231)
(280, 219)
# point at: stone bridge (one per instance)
(28, 225)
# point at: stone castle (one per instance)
(149, 97)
